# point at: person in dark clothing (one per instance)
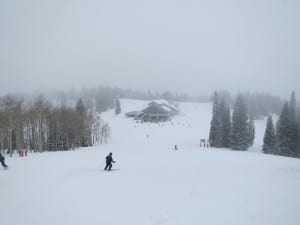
(2, 160)
(109, 160)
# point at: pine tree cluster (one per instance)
(243, 130)
(238, 134)
(285, 139)
(270, 137)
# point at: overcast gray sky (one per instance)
(190, 46)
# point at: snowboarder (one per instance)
(2, 160)
(175, 147)
(109, 160)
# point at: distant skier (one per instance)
(109, 160)
(175, 147)
(2, 160)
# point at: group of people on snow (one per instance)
(108, 158)
(109, 161)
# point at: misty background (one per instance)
(187, 46)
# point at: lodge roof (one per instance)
(154, 112)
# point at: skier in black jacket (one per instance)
(2, 160)
(109, 160)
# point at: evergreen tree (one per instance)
(225, 123)
(117, 106)
(215, 134)
(276, 150)
(239, 133)
(288, 129)
(283, 131)
(251, 132)
(269, 137)
(80, 107)
(298, 141)
(293, 127)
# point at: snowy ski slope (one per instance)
(154, 185)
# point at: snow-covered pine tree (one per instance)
(293, 127)
(276, 150)
(269, 137)
(80, 108)
(215, 133)
(117, 106)
(251, 132)
(239, 133)
(287, 133)
(298, 141)
(283, 131)
(225, 123)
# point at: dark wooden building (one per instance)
(154, 113)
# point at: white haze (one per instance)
(182, 46)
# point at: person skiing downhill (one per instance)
(2, 160)
(109, 160)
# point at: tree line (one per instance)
(262, 104)
(41, 126)
(259, 105)
(284, 138)
(237, 131)
(102, 98)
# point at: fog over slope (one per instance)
(182, 46)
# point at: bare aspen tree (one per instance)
(12, 108)
(96, 127)
(41, 127)
(41, 109)
(104, 133)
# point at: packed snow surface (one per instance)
(153, 184)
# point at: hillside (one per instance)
(152, 183)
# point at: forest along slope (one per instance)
(153, 184)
